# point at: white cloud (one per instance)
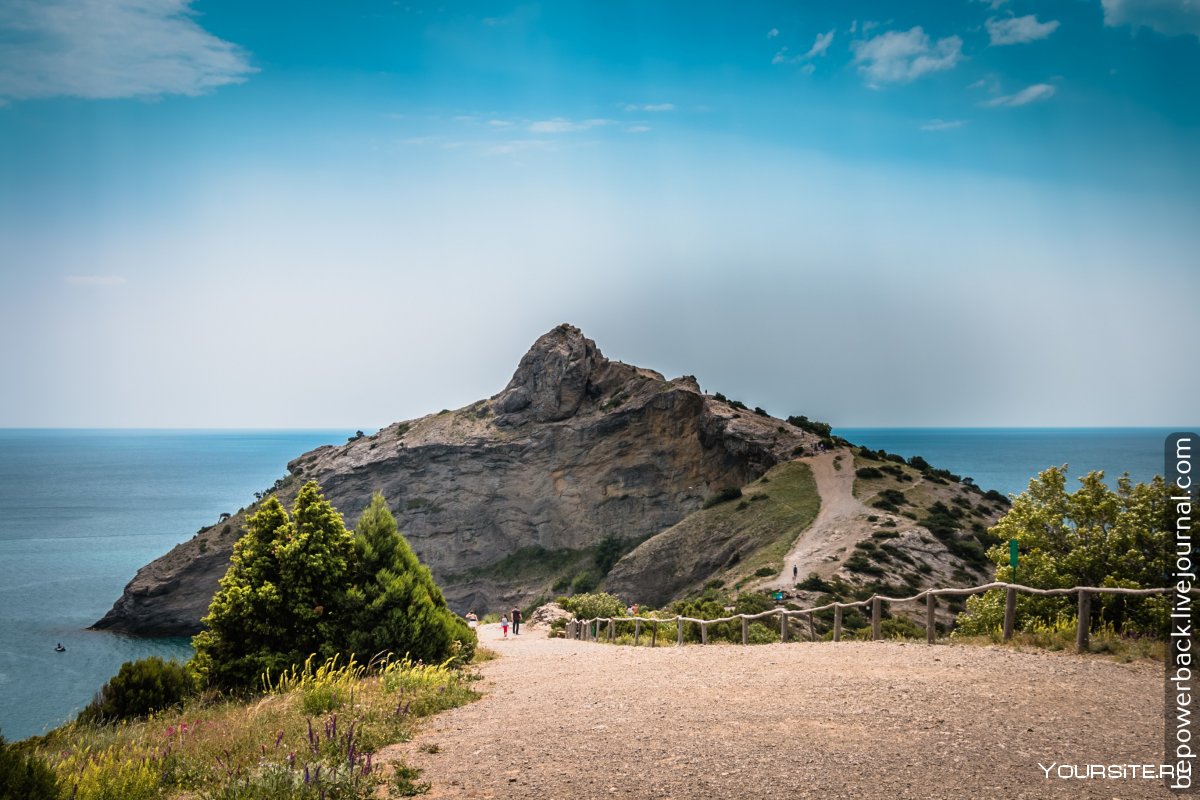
(1030, 94)
(562, 125)
(1019, 30)
(943, 124)
(105, 49)
(808, 69)
(854, 27)
(820, 45)
(897, 57)
(771, 34)
(1168, 17)
(94, 280)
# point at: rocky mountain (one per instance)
(575, 451)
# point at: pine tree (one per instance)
(395, 606)
(282, 598)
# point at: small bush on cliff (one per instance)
(139, 688)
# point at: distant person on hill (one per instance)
(635, 609)
(472, 620)
(504, 625)
(795, 571)
(516, 620)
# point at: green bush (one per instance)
(24, 776)
(814, 583)
(300, 584)
(723, 496)
(822, 429)
(868, 472)
(590, 606)
(763, 572)
(139, 688)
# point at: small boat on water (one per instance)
(58, 648)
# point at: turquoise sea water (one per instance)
(1005, 459)
(80, 512)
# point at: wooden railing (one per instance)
(590, 630)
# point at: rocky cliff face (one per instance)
(575, 449)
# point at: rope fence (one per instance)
(590, 630)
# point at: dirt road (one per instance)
(564, 719)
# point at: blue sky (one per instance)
(342, 214)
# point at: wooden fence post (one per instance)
(876, 617)
(637, 631)
(782, 626)
(612, 631)
(653, 632)
(1085, 621)
(837, 623)
(679, 631)
(1010, 612)
(745, 630)
(930, 624)
(703, 633)
(812, 627)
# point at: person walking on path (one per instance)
(504, 625)
(516, 621)
(795, 571)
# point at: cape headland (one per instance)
(518, 495)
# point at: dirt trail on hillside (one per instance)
(840, 523)
(574, 720)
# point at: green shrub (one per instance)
(24, 776)
(590, 606)
(139, 688)
(723, 496)
(763, 572)
(814, 583)
(821, 429)
(868, 472)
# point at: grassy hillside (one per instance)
(728, 541)
(313, 735)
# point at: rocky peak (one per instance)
(553, 379)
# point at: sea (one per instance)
(82, 510)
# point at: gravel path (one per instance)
(564, 719)
(840, 524)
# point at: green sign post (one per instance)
(1012, 558)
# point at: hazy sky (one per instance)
(341, 214)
